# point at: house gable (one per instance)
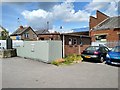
(25, 33)
(93, 22)
(99, 18)
(29, 34)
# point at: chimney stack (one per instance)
(21, 27)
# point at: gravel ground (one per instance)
(24, 73)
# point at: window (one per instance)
(70, 41)
(74, 41)
(2, 34)
(101, 37)
(116, 49)
(41, 38)
(26, 35)
(81, 43)
(51, 38)
(92, 48)
(106, 49)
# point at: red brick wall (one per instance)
(74, 49)
(112, 35)
(99, 18)
(48, 37)
(32, 35)
(71, 49)
(93, 22)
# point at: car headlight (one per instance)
(107, 56)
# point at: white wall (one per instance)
(16, 43)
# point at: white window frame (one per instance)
(70, 41)
(26, 35)
(74, 41)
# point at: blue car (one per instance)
(113, 57)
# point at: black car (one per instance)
(97, 53)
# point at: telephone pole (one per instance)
(47, 25)
(18, 20)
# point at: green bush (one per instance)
(68, 60)
(73, 57)
(55, 63)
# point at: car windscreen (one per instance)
(116, 49)
(92, 48)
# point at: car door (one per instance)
(105, 51)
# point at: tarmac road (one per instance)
(24, 73)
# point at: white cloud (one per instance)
(70, 0)
(112, 9)
(92, 6)
(106, 0)
(102, 0)
(64, 11)
(39, 18)
(51, 30)
(110, 6)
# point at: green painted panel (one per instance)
(55, 50)
(45, 51)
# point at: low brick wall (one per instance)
(74, 49)
(8, 53)
(71, 49)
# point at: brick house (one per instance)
(71, 43)
(24, 33)
(74, 44)
(104, 29)
(46, 35)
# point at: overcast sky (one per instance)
(67, 14)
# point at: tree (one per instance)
(4, 34)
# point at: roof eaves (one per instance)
(26, 28)
(75, 35)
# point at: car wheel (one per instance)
(101, 59)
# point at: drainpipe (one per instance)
(79, 45)
(79, 50)
(63, 44)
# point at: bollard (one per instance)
(8, 43)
